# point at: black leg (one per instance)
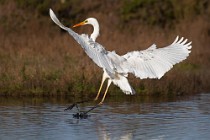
(76, 104)
(84, 115)
(70, 107)
(92, 108)
(79, 114)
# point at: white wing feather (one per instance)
(94, 50)
(153, 62)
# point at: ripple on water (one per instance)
(173, 119)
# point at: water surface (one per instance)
(129, 118)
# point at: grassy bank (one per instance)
(37, 58)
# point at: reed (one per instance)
(38, 59)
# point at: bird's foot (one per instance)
(81, 115)
(84, 115)
(100, 103)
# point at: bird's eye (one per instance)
(86, 21)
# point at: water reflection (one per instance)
(125, 118)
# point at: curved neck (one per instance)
(95, 33)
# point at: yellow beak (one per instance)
(79, 24)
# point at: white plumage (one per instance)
(149, 63)
(153, 62)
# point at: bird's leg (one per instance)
(91, 109)
(108, 84)
(102, 82)
(75, 104)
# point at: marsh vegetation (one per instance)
(37, 58)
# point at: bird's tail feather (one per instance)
(124, 85)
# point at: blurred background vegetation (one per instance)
(38, 58)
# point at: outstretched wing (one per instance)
(94, 50)
(153, 62)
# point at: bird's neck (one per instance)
(95, 33)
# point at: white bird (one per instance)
(150, 63)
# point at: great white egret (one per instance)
(149, 63)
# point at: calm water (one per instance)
(118, 119)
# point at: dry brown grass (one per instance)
(37, 58)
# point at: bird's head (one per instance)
(94, 23)
(90, 21)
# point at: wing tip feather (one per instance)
(56, 20)
(183, 42)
